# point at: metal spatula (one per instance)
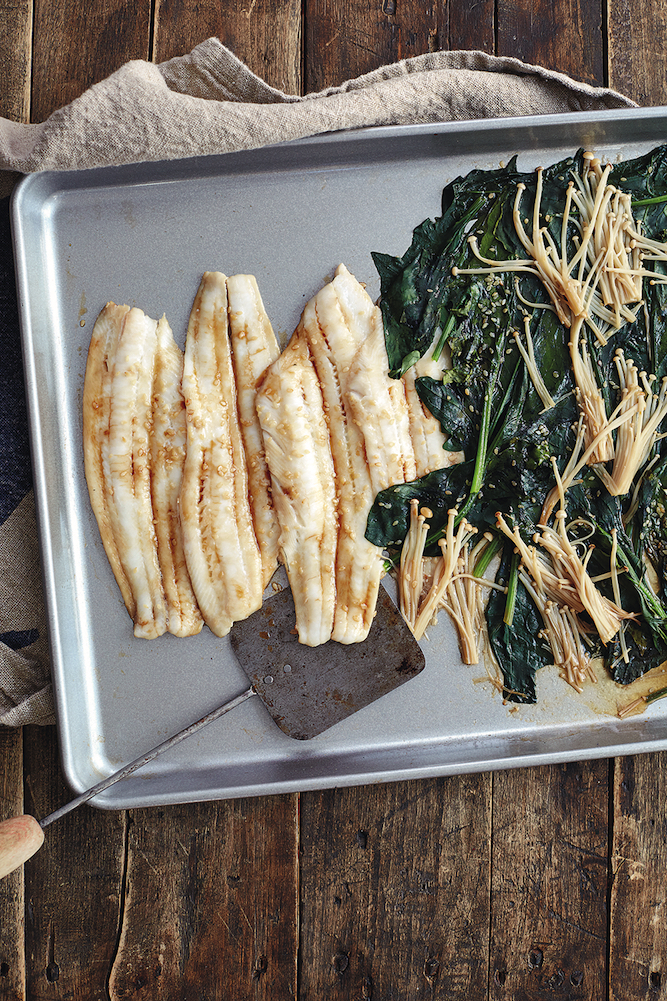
(309, 689)
(306, 690)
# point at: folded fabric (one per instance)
(203, 103)
(210, 102)
(25, 688)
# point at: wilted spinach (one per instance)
(488, 406)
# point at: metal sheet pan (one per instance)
(288, 214)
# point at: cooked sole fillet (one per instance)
(403, 439)
(221, 549)
(96, 417)
(254, 348)
(290, 408)
(204, 468)
(425, 431)
(168, 445)
(133, 430)
(325, 477)
(335, 323)
(130, 507)
(381, 412)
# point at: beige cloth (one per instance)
(209, 102)
(25, 690)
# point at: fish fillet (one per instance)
(325, 479)
(403, 439)
(130, 507)
(425, 431)
(380, 410)
(168, 445)
(221, 549)
(133, 432)
(254, 348)
(290, 408)
(335, 324)
(96, 416)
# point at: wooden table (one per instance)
(549, 882)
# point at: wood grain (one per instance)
(15, 66)
(12, 928)
(80, 42)
(210, 903)
(395, 891)
(550, 881)
(345, 38)
(15, 55)
(563, 35)
(637, 50)
(638, 900)
(73, 884)
(471, 26)
(263, 34)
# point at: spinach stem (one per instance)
(444, 336)
(482, 445)
(655, 200)
(651, 599)
(486, 556)
(653, 696)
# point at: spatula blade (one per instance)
(307, 690)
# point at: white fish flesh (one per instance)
(381, 411)
(254, 348)
(203, 470)
(290, 408)
(96, 416)
(221, 548)
(336, 322)
(325, 476)
(133, 424)
(129, 481)
(168, 445)
(425, 432)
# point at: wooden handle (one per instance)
(20, 837)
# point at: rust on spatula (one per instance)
(306, 689)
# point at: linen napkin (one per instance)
(203, 103)
(210, 102)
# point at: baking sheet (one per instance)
(289, 214)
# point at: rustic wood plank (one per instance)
(12, 930)
(15, 50)
(637, 50)
(80, 42)
(564, 35)
(15, 58)
(265, 35)
(395, 890)
(210, 908)
(345, 38)
(73, 884)
(470, 27)
(638, 900)
(549, 884)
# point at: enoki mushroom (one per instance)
(453, 585)
(595, 286)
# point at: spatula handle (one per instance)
(20, 837)
(145, 758)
